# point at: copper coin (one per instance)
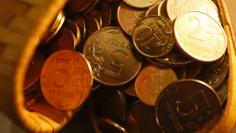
(172, 59)
(153, 10)
(185, 105)
(153, 36)
(223, 91)
(108, 125)
(151, 81)
(110, 103)
(78, 6)
(176, 7)
(215, 76)
(200, 37)
(134, 16)
(106, 13)
(111, 57)
(191, 70)
(73, 26)
(161, 11)
(97, 15)
(34, 69)
(65, 40)
(141, 119)
(54, 27)
(140, 3)
(66, 80)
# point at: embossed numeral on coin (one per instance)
(61, 71)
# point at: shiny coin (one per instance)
(200, 36)
(215, 76)
(107, 125)
(34, 69)
(177, 7)
(186, 105)
(65, 39)
(162, 9)
(110, 55)
(66, 80)
(140, 3)
(141, 119)
(153, 36)
(172, 59)
(135, 15)
(109, 103)
(152, 11)
(151, 81)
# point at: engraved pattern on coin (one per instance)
(178, 7)
(151, 81)
(110, 55)
(200, 36)
(153, 37)
(66, 80)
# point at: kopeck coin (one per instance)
(151, 81)
(110, 55)
(186, 105)
(153, 36)
(66, 80)
(128, 17)
(200, 36)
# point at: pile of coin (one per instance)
(131, 66)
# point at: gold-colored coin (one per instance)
(177, 7)
(200, 36)
(141, 3)
(151, 81)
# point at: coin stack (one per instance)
(131, 66)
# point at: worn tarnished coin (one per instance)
(128, 17)
(153, 36)
(110, 103)
(141, 119)
(34, 69)
(216, 75)
(66, 80)
(178, 7)
(172, 59)
(200, 36)
(185, 105)
(110, 55)
(151, 81)
(141, 3)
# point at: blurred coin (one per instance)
(140, 3)
(66, 80)
(162, 9)
(92, 25)
(65, 40)
(200, 36)
(152, 10)
(151, 81)
(130, 89)
(222, 91)
(109, 103)
(106, 13)
(54, 27)
(153, 36)
(97, 15)
(73, 26)
(34, 69)
(78, 6)
(215, 76)
(81, 23)
(172, 59)
(107, 125)
(134, 16)
(141, 119)
(177, 7)
(91, 7)
(186, 105)
(110, 55)
(188, 71)
(113, 1)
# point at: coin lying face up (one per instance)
(66, 80)
(200, 36)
